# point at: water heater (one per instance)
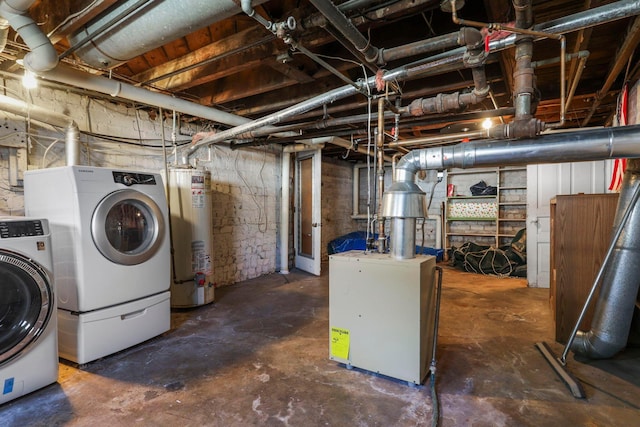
(189, 196)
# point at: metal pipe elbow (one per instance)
(592, 346)
(43, 56)
(471, 37)
(407, 167)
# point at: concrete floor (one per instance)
(259, 356)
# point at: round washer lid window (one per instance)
(127, 227)
(26, 302)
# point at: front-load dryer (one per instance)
(28, 344)
(110, 234)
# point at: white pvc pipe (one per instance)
(43, 55)
(284, 212)
(356, 190)
(67, 75)
(438, 219)
(103, 43)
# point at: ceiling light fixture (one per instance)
(487, 123)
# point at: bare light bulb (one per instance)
(29, 80)
(487, 124)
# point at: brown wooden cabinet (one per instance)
(581, 231)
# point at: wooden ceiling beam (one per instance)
(242, 85)
(255, 36)
(289, 71)
(55, 18)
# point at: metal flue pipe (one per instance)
(402, 202)
(45, 115)
(596, 144)
(613, 313)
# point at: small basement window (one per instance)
(364, 188)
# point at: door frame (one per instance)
(310, 264)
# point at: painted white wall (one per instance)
(245, 183)
(544, 182)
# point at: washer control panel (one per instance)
(132, 178)
(12, 229)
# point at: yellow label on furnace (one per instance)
(340, 343)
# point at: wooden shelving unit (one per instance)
(486, 220)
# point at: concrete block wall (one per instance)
(245, 183)
(246, 211)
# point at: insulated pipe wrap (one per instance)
(150, 27)
(70, 76)
(43, 55)
(4, 33)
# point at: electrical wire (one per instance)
(72, 16)
(135, 111)
(370, 221)
(44, 156)
(133, 141)
(435, 401)
(253, 196)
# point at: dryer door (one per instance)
(127, 227)
(26, 303)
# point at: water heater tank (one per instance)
(192, 239)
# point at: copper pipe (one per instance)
(442, 139)
(500, 27)
(576, 80)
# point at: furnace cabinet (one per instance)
(382, 313)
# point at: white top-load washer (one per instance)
(110, 235)
(28, 344)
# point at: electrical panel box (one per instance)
(382, 313)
